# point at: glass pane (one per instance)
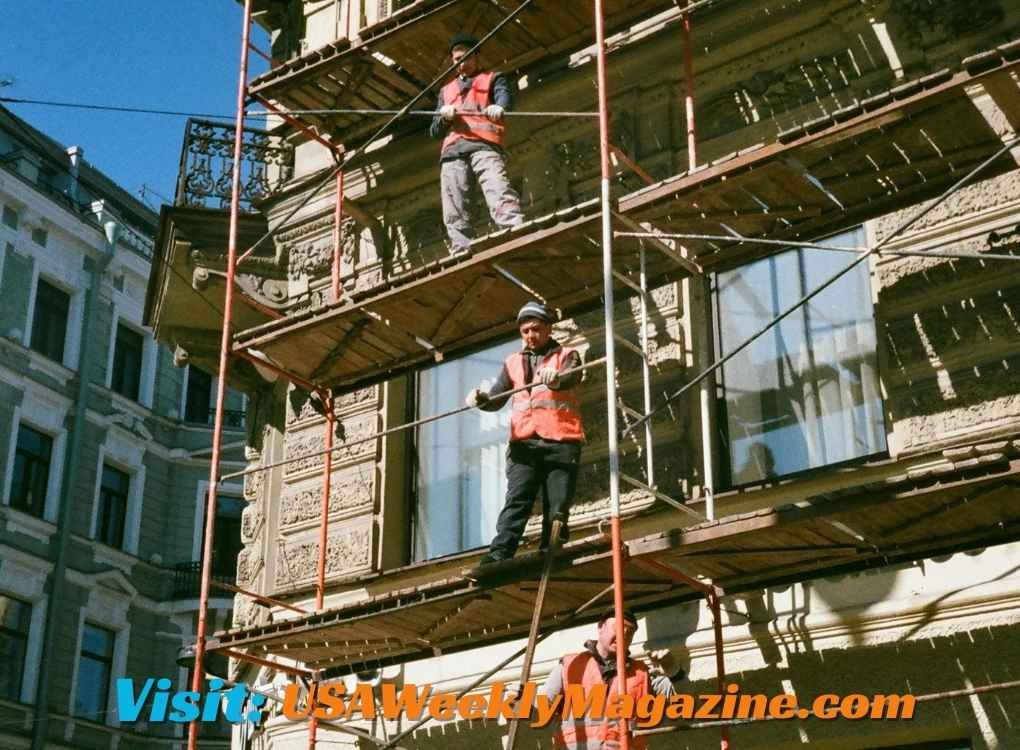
(115, 480)
(93, 684)
(806, 393)
(127, 362)
(49, 325)
(97, 641)
(198, 400)
(14, 622)
(461, 460)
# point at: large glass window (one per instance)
(114, 488)
(227, 535)
(49, 324)
(94, 666)
(31, 471)
(461, 460)
(198, 400)
(805, 394)
(14, 621)
(127, 362)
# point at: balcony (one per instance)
(188, 579)
(206, 168)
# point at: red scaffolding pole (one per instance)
(607, 291)
(198, 675)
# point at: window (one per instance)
(805, 394)
(113, 499)
(227, 535)
(127, 362)
(10, 217)
(94, 667)
(198, 401)
(14, 620)
(31, 471)
(39, 236)
(49, 326)
(461, 472)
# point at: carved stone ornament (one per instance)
(350, 490)
(348, 550)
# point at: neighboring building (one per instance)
(141, 459)
(865, 453)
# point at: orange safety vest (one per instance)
(541, 411)
(472, 127)
(597, 734)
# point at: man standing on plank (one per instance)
(469, 119)
(546, 433)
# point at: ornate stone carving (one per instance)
(353, 428)
(313, 259)
(348, 550)
(249, 563)
(351, 489)
(301, 408)
(251, 521)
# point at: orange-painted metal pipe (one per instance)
(720, 662)
(295, 122)
(295, 379)
(320, 579)
(198, 675)
(610, 338)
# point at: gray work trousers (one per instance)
(489, 171)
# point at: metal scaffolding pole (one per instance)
(610, 339)
(221, 390)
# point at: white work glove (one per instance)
(476, 398)
(665, 661)
(549, 377)
(494, 112)
(447, 112)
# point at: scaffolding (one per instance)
(789, 189)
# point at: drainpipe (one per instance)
(86, 356)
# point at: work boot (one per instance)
(458, 251)
(491, 558)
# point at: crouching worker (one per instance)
(596, 666)
(545, 431)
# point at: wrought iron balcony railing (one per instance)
(207, 165)
(188, 579)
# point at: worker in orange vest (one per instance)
(469, 119)
(596, 665)
(545, 430)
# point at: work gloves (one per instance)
(447, 112)
(494, 112)
(476, 398)
(548, 377)
(664, 660)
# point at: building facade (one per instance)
(895, 388)
(122, 490)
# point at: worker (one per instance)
(596, 665)
(469, 119)
(546, 433)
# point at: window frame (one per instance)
(117, 367)
(415, 401)
(724, 471)
(44, 349)
(25, 637)
(104, 695)
(16, 503)
(105, 494)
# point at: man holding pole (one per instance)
(469, 119)
(546, 433)
(596, 665)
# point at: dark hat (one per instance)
(628, 616)
(461, 39)
(535, 310)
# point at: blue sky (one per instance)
(181, 56)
